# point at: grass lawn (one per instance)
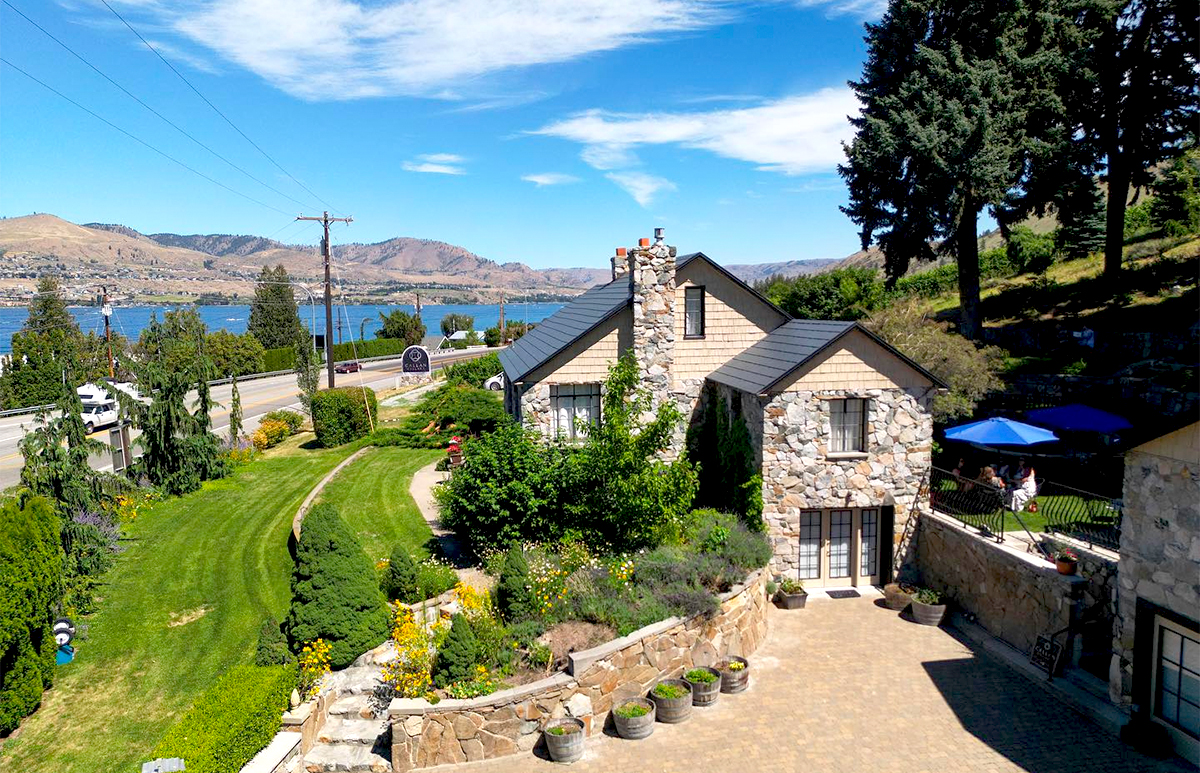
(183, 604)
(372, 497)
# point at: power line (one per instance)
(138, 140)
(135, 98)
(214, 107)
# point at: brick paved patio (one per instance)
(847, 686)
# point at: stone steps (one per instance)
(354, 705)
(347, 729)
(345, 758)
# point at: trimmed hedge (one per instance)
(232, 721)
(335, 593)
(283, 358)
(30, 587)
(340, 415)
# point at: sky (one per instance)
(542, 131)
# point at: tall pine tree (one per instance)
(274, 315)
(1080, 217)
(45, 350)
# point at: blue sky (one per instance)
(537, 131)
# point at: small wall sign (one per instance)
(415, 360)
(1045, 655)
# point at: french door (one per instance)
(839, 547)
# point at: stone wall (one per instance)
(534, 402)
(1016, 595)
(1160, 550)
(598, 679)
(799, 474)
(652, 272)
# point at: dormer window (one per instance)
(693, 312)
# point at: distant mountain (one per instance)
(754, 272)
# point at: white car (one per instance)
(97, 415)
(495, 383)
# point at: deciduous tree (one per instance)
(398, 324)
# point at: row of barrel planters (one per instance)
(670, 701)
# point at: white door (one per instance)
(839, 547)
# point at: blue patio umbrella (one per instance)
(1000, 432)
(1079, 418)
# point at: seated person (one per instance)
(1002, 470)
(1021, 472)
(988, 475)
(1027, 490)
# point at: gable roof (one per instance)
(787, 348)
(575, 320)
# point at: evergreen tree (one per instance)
(1080, 218)
(1176, 202)
(272, 648)
(308, 374)
(400, 577)
(513, 597)
(1143, 97)
(235, 414)
(46, 348)
(56, 456)
(949, 94)
(398, 324)
(335, 595)
(456, 658)
(274, 315)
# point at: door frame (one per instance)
(855, 578)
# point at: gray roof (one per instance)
(787, 348)
(564, 327)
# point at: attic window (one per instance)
(848, 425)
(693, 312)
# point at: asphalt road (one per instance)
(259, 397)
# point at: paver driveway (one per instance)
(848, 686)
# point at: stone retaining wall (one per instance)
(1016, 595)
(598, 679)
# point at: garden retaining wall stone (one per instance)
(509, 721)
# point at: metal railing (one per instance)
(973, 502)
(1081, 515)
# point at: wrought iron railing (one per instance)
(1080, 515)
(973, 502)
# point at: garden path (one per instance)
(421, 489)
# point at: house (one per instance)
(1156, 645)
(839, 421)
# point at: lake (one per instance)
(129, 320)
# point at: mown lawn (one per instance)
(183, 604)
(372, 497)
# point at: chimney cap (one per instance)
(620, 252)
(658, 234)
(643, 242)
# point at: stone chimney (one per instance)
(652, 280)
(620, 264)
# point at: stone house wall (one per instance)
(1016, 595)
(596, 681)
(1160, 546)
(799, 473)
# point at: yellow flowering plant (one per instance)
(314, 665)
(409, 673)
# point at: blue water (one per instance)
(129, 320)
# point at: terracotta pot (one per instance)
(1066, 566)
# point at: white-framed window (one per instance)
(1177, 680)
(571, 405)
(693, 312)
(848, 425)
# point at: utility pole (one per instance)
(325, 220)
(418, 307)
(106, 310)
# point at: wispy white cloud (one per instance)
(704, 100)
(436, 163)
(550, 178)
(641, 186)
(859, 9)
(344, 49)
(177, 54)
(795, 135)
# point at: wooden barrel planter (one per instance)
(928, 614)
(564, 739)
(672, 701)
(634, 719)
(735, 674)
(706, 685)
(895, 597)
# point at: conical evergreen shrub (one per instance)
(335, 594)
(456, 659)
(400, 577)
(512, 590)
(272, 648)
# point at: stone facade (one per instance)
(1160, 546)
(1015, 595)
(792, 428)
(508, 722)
(652, 279)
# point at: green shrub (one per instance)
(457, 657)
(343, 414)
(399, 581)
(474, 372)
(1137, 219)
(512, 590)
(701, 676)
(283, 358)
(720, 445)
(1030, 253)
(272, 649)
(335, 594)
(293, 420)
(30, 584)
(232, 721)
(669, 691)
(453, 409)
(434, 578)
(631, 710)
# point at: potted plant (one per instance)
(927, 607)
(1066, 560)
(735, 674)
(898, 595)
(791, 594)
(564, 739)
(706, 685)
(634, 719)
(672, 700)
